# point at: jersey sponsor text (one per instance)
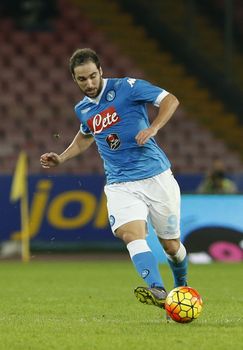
(103, 120)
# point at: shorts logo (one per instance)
(103, 120)
(110, 96)
(113, 141)
(145, 273)
(172, 224)
(112, 220)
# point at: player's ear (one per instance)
(101, 72)
(73, 76)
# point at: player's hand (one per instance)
(50, 160)
(144, 135)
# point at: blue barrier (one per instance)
(70, 212)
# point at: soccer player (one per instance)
(139, 182)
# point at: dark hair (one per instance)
(82, 56)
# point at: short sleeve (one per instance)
(84, 129)
(161, 96)
(143, 91)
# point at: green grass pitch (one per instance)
(90, 305)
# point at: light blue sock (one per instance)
(179, 271)
(179, 265)
(145, 262)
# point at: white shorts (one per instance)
(156, 198)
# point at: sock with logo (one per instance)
(145, 262)
(178, 264)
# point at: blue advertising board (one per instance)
(69, 212)
(61, 208)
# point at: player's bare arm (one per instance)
(79, 144)
(166, 109)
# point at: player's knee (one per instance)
(131, 231)
(171, 246)
(126, 236)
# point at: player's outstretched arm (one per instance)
(166, 109)
(79, 144)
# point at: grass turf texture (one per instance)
(90, 305)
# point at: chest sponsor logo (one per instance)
(103, 120)
(113, 141)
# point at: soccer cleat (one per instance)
(151, 296)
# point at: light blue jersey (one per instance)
(114, 118)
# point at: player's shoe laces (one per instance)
(151, 296)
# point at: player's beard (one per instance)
(94, 92)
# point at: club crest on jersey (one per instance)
(110, 96)
(103, 120)
(113, 141)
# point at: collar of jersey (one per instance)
(97, 99)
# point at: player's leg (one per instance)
(128, 216)
(165, 218)
(133, 235)
(177, 259)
